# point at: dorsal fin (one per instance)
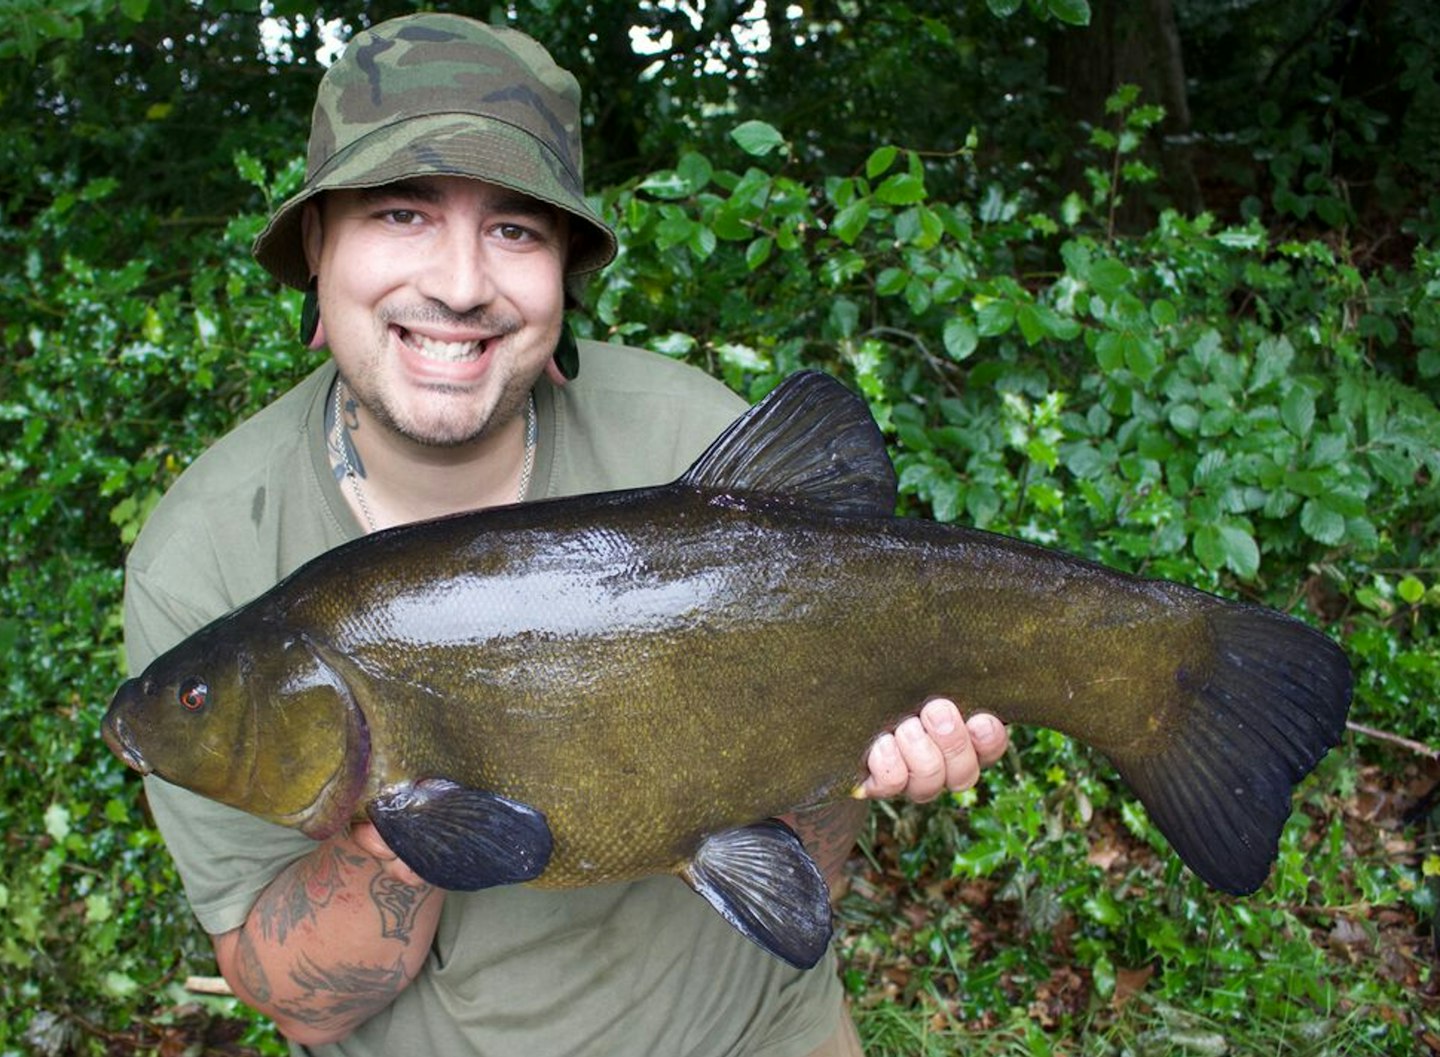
(810, 440)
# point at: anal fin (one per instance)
(763, 881)
(460, 838)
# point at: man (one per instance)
(439, 234)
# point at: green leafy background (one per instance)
(1241, 396)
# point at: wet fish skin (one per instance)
(647, 669)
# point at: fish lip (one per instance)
(117, 736)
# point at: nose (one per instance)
(457, 273)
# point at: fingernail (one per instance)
(984, 726)
(942, 717)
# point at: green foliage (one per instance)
(116, 377)
(1243, 400)
(1203, 402)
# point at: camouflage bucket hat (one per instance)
(439, 94)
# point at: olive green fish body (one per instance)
(707, 664)
(629, 679)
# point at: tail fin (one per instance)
(1273, 704)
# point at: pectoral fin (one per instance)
(763, 881)
(460, 838)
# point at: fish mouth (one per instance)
(117, 737)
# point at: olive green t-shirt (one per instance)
(645, 968)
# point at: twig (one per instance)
(207, 985)
(1395, 739)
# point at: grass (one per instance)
(1093, 940)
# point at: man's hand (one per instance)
(368, 838)
(934, 752)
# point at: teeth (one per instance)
(449, 351)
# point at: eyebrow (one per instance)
(422, 190)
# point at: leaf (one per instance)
(98, 908)
(891, 281)
(1028, 319)
(696, 170)
(666, 184)
(851, 221)
(757, 138)
(1273, 357)
(1227, 545)
(902, 189)
(57, 822)
(702, 241)
(844, 317)
(119, 985)
(1071, 12)
(1410, 590)
(1108, 277)
(1321, 523)
(1184, 419)
(1297, 411)
(758, 252)
(995, 317)
(960, 338)
(880, 159)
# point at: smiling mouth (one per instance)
(443, 351)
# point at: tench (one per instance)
(602, 687)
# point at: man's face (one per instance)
(441, 300)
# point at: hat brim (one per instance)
(480, 148)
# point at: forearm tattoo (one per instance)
(250, 970)
(301, 890)
(398, 903)
(338, 995)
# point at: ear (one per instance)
(312, 233)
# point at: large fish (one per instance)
(607, 686)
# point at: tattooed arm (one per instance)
(333, 939)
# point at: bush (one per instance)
(1201, 402)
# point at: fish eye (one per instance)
(192, 694)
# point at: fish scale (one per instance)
(604, 687)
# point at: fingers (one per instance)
(367, 838)
(933, 752)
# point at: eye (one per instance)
(192, 694)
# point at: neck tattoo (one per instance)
(353, 476)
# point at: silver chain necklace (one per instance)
(532, 434)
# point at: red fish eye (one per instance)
(192, 694)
